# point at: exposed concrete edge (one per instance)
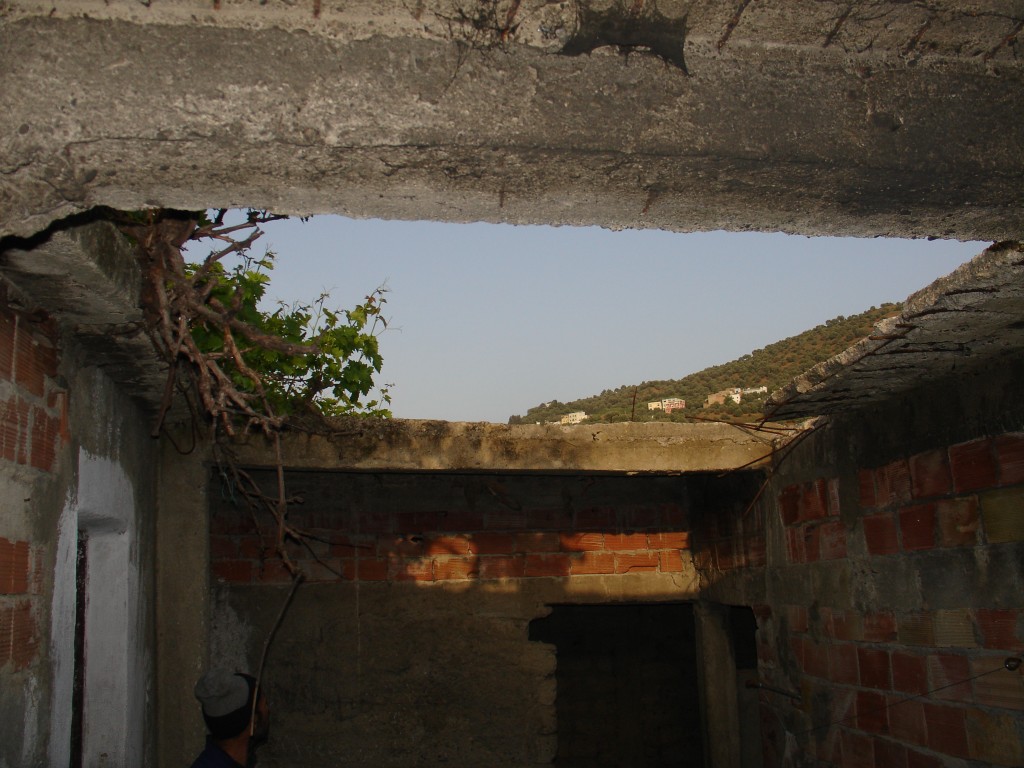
(540, 25)
(420, 445)
(965, 289)
(90, 280)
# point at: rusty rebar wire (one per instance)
(1010, 664)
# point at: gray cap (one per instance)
(222, 692)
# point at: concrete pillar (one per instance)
(182, 601)
(716, 669)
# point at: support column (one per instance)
(182, 601)
(716, 669)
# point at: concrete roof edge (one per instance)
(423, 445)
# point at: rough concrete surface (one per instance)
(412, 444)
(819, 118)
(352, 688)
(90, 278)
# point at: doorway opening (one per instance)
(78, 689)
(626, 678)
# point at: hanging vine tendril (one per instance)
(237, 366)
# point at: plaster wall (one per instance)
(116, 643)
(80, 459)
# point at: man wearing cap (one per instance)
(235, 727)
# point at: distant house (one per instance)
(718, 398)
(573, 418)
(755, 391)
(667, 405)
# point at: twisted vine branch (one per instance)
(236, 366)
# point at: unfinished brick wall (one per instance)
(434, 528)
(410, 645)
(732, 536)
(33, 426)
(18, 638)
(894, 601)
(33, 406)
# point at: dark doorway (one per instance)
(627, 685)
(78, 691)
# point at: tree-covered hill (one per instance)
(771, 367)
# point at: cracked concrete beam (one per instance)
(400, 109)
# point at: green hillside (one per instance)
(771, 367)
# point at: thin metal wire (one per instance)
(1010, 664)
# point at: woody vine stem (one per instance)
(239, 367)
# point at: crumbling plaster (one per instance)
(818, 118)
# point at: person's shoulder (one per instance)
(214, 757)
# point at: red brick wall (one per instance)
(888, 685)
(33, 410)
(729, 529)
(18, 638)
(33, 427)
(518, 528)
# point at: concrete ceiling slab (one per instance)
(890, 118)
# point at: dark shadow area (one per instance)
(409, 643)
(630, 30)
(743, 632)
(627, 685)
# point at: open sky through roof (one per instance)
(489, 320)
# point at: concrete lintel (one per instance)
(418, 445)
(781, 116)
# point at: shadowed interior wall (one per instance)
(429, 659)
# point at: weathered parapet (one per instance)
(411, 444)
(806, 117)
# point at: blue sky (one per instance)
(488, 320)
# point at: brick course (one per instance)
(973, 465)
(18, 635)
(398, 542)
(33, 417)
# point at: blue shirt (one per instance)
(214, 757)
